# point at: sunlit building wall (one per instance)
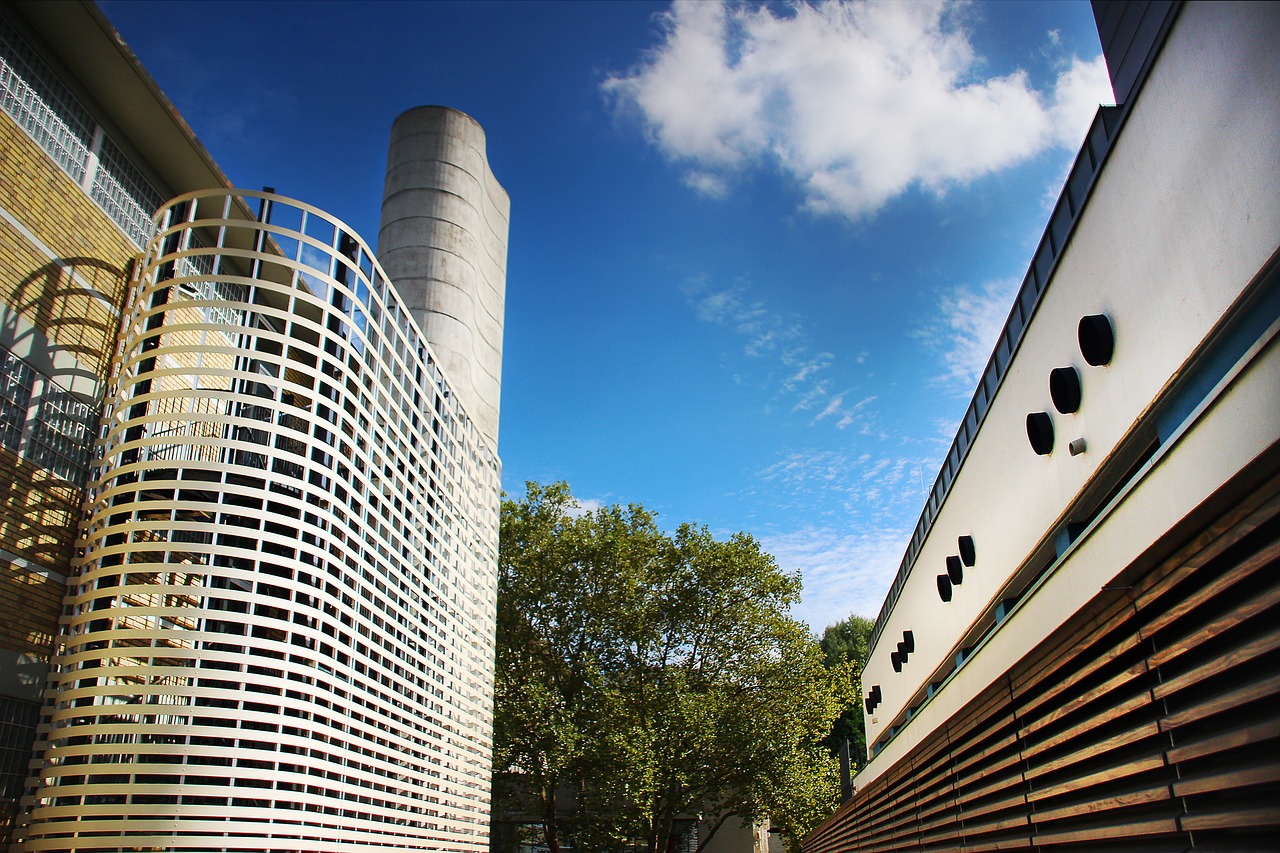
(280, 628)
(279, 556)
(1080, 648)
(443, 241)
(76, 199)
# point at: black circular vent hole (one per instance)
(1064, 388)
(1097, 339)
(1040, 432)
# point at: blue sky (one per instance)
(758, 254)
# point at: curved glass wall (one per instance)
(279, 633)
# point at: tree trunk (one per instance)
(662, 833)
(550, 820)
(712, 834)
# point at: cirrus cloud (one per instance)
(964, 328)
(845, 573)
(857, 101)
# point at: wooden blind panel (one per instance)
(1241, 653)
(1241, 736)
(1149, 723)
(1098, 710)
(1242, 573)
(1047, 675)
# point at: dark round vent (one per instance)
(954, 571)
(1064, 388)
(944, 587)
(1040, 432)
(1097, 339)
(967, 552)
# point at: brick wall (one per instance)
(39, 511)
(53, 208)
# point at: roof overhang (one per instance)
(80, 38)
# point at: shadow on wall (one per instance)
(61, 300)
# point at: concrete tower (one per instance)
(443, 243)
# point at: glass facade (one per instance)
(61, 438)
(17, 725)
(15, 398)
(121, 191)
(42, 105)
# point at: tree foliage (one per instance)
(642, 677)
(846, 643)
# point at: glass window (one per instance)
(15, 398)
(126, 196)
(62, 435)
(18, 721)
(42, 106)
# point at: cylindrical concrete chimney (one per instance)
(443, 243)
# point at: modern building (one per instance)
(249, 532)
(1081, 647)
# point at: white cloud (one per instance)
(862, 507)
(838, 484)
(850, 415)
(808, 369)
(781, 348)
(1080, 89)
(803, 470)
(834, 407)
(967, 322)
(844, 573)
(857, 101)
(706, 183)
(584, 506)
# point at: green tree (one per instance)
(845, 643)
(554, 633)
(654, 677)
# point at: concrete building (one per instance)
(1080, 648)
(249, 538)
(443, 241)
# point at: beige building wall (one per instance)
(63, 271)
(1080, 649)
(281, 625)
(1186, 213)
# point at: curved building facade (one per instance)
(443, 241)
(278, 632)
